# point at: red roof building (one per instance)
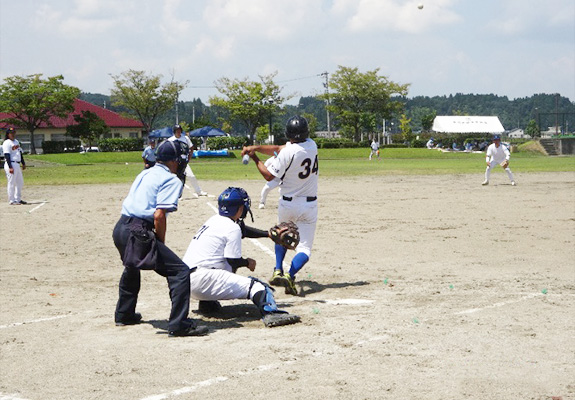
(121, 127)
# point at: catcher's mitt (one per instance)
(285, 234)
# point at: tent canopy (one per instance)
(161, 133)
(467, 124)
(207, 131)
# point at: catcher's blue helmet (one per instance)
(231, 200)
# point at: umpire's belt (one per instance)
(308, 199)
(128, 220)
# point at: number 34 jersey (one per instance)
(297, 167)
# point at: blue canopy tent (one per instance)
(161, 133)
(207, 131)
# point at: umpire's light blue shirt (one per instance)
(153, 188)
(149, 154)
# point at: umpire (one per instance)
(140, 234)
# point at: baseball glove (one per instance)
(285, 234)
(505, 164)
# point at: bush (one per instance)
(67, 146)
(121, 144)
(227, 142)
(338, 143)
(418, 143)
(395, 146)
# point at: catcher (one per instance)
(215, 252)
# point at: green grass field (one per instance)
(64, 169)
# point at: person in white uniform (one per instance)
(13, 157)
(497, 154)
(216, 253)
(188, 174)
(296, 165)
(269, 186)
(374, 149)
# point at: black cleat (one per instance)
(134, 320)
(279, 319)
(199, 330)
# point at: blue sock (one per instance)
(297, 263)
(280, 255)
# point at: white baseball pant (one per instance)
(15, 182)
(493, 164)
(304, 214)
(219, 284)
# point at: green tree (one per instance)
(532, 129)
(427, 121)
(405, 127)
(250, 102)
(89, 127)
(145, 96)
(311, 122)
(358, 99)
(31, 101)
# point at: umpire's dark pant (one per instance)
(169, 265)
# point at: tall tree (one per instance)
(532, 129)
(144, 95)
(250, 102)
(31, 101)
(358, 99)
(89, 127)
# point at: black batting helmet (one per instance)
(297, 129)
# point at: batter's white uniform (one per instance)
(269, 186)
(15, 179)
(297, 167)
(189, 174)
(494, 156)
(219, 238)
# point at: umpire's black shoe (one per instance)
(199, 330)
(134, 320)
(208, 307)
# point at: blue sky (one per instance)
(515, 48)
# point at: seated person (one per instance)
(216, 252)
(430, 143)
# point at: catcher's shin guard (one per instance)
(264, 300)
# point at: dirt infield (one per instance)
(419, 287)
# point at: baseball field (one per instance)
(420, 286)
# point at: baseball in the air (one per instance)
(420, 6)
(246, 159)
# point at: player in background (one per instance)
(179, 135)
(497, 154)
(140, 234)
(149, 154)
(374, 149)
(269, 186)
(216, 253)
(296, 166)
(13, 157)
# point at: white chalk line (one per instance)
(32, 322)
(10, 397)
(499, 304)
(216, 380)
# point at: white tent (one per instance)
(467, 124)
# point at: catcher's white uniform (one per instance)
(296, 166)
(497, 155)
(219, 238)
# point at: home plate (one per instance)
(352, 302)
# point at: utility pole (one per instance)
(326, 86)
